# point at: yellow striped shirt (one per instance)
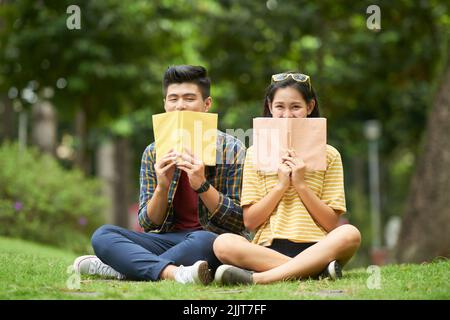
(290, 219)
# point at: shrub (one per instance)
(43, 202)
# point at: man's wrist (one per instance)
(160, 189)
(203, 187)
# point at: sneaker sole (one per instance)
(204, 275)
(219, 276)
(219, 273)
(335, 271)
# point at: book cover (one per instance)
(272, 137)
(196, 131)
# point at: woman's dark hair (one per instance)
(185, 73)
(301, 87)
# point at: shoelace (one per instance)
(104, 269)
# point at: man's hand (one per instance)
(194, 168)
(165, 169)
(297, 166)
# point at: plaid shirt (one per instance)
(226, 177)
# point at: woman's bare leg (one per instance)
(236, 250)
(340, 244)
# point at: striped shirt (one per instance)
(290, 219)
(225, 177)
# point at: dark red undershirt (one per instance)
(185, 205)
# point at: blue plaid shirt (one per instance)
(225, 176)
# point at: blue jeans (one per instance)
(142, 256)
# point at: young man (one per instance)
(183, 205)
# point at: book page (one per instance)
(196, 131)
(272, 137)
(309, 139)
(200, 135)
(164, 131)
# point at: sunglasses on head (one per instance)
(299, 77)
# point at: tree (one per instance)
(98, 72)
(426, 225)
(109, 71)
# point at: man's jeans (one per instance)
(142, 256)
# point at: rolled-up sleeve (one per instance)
(333, 192)
(147, 180)
(229, 211)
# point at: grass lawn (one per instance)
(32, 271)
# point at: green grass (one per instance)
(32, 271)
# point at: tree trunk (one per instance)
(113, 168)
(106, 173)
(81, 141)
(425, 230)
(44, 127)
(122, 156)
(8, 130)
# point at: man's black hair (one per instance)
(186, 73)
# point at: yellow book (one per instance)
(196, 131)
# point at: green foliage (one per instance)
(42, 202)
(114, 64)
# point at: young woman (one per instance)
(295, 217)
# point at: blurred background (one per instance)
(79, 81)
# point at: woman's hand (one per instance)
(284, 179)
(297, 167)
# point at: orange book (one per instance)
(272, 137)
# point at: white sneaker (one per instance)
(93, 265)
(197, 273)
